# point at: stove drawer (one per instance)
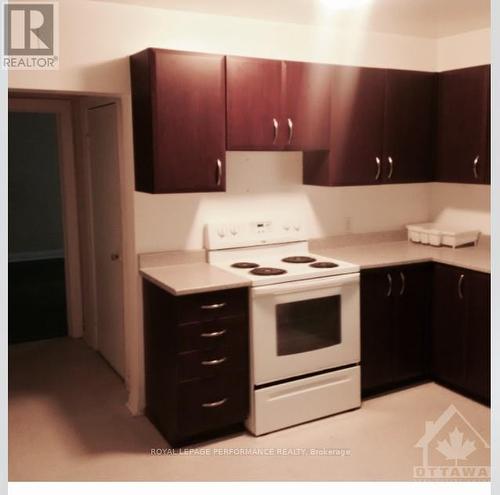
(221, 334)
(305, 399)
(210, 306)
(214, 403)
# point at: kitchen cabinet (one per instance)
(381, 129)
(178, 103)
(277, 105)
(395, 316)
(463, 126)
(409, 126)
(461, 330)
(197, 362)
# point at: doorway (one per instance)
(70, 188)
(44, 268)
(37, 289)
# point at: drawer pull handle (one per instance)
(212, 335)
(213, 306)
(215, 404)
(214, 362)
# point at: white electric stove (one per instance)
(304, 322)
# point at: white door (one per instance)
(107, 223)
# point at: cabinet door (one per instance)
(357, 126)
(377, 329)
(409, 126)
(477, 365)
(307, 105)
(254, 103)
(190, 124)
(449, 325)
(463, 110)
(412, 308)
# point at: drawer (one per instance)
(210, 306)
(279, 406)
(216, 334)
(210, 404)
(213, 362)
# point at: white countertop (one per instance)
(381, 254)
(190, 278)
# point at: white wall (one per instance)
(461, 205)
(268, 185)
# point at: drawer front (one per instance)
(282, 405)
(210, 306)
(222, 333)
(214, 403)
(213, 362)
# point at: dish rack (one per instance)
(439, 235)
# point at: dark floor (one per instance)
(37, 300)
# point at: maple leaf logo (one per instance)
(456, 448)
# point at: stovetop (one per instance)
(272, 259)
(260, 251)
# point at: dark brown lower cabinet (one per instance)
(395, 314)
(425, 321)
(197, 362)
(461, 330)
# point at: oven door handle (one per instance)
(305, 285)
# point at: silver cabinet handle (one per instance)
(275, 127)
(214, 362)
(391, 167)
(403, 283)
(379, 168)
(219, 171)
(213, 306)
(460, 286)
(389, 290)
(213, 335)
(474, 167)
(215, 404)
(290, 131)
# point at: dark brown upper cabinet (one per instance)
(307, 106)
(381, 129)
(178, 101)
(275, 105)
(409, 127)
(463, 126)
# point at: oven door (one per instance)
(305, 326)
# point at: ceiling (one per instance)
(425, 18)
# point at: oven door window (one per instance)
(303, 326)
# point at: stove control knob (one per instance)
(296, 227)
(221, 232)
(233, 230)
(286, 227)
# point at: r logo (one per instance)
(29, 29)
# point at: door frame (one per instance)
(67, 172)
